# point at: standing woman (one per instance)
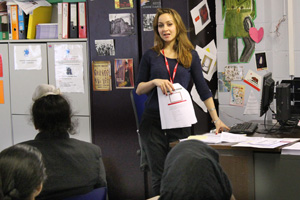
(172, 60)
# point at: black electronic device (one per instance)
(244, 128)
(267, 95)
(283, 102)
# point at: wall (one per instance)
(269, 13)
(113, 123)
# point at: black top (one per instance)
(192, 172)
(73, 167)
(152, 66)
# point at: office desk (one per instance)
(261, 174)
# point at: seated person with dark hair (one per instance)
(22, 173)
(73, 167)
(192, 172)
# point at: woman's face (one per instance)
(167, 28)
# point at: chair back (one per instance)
(138, 104)
(96, 194)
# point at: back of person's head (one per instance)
(22, 172)
(51, 112)
(192, 172)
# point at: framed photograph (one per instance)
(124, 73)
(121, 24)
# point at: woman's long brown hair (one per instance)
(182, 46)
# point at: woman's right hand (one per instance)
(165, 85)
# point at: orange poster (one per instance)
(1, 92)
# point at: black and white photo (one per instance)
(121, 24)
(105, 47)
(148, 22)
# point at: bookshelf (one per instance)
(19, 85)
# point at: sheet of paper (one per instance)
(29, 6)
(230, 137)
(69, 67)
(253, 79)
(197, 99)
(176, 110)
(265, 143)
(252, 107)
(210, 138)
(208, 62)
(28, 57)
(293, 149)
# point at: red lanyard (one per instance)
(168, 68)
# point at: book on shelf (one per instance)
(82, 28)
(4, 27)
(23, 24)
(73, 24)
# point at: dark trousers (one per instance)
(155, 142)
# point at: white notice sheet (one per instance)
(28, 57)
(69, 67)
(176, 110)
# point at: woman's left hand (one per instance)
(220, 126)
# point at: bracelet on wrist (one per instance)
(215, 121)
(211, 109)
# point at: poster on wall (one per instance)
(237, 26)
(200, 16)
(28, 57)
(237, 95)
(261, 61)
(124, 73)
(223, 85)
(69, 67)
(234, 73)
(253, 79)
(101, 76)
(123, 4)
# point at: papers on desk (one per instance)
(243, 140)
(266, 143)
(293, 149)
(176, 109)
(212, 138)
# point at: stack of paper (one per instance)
(293, 149)
(46, 31)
